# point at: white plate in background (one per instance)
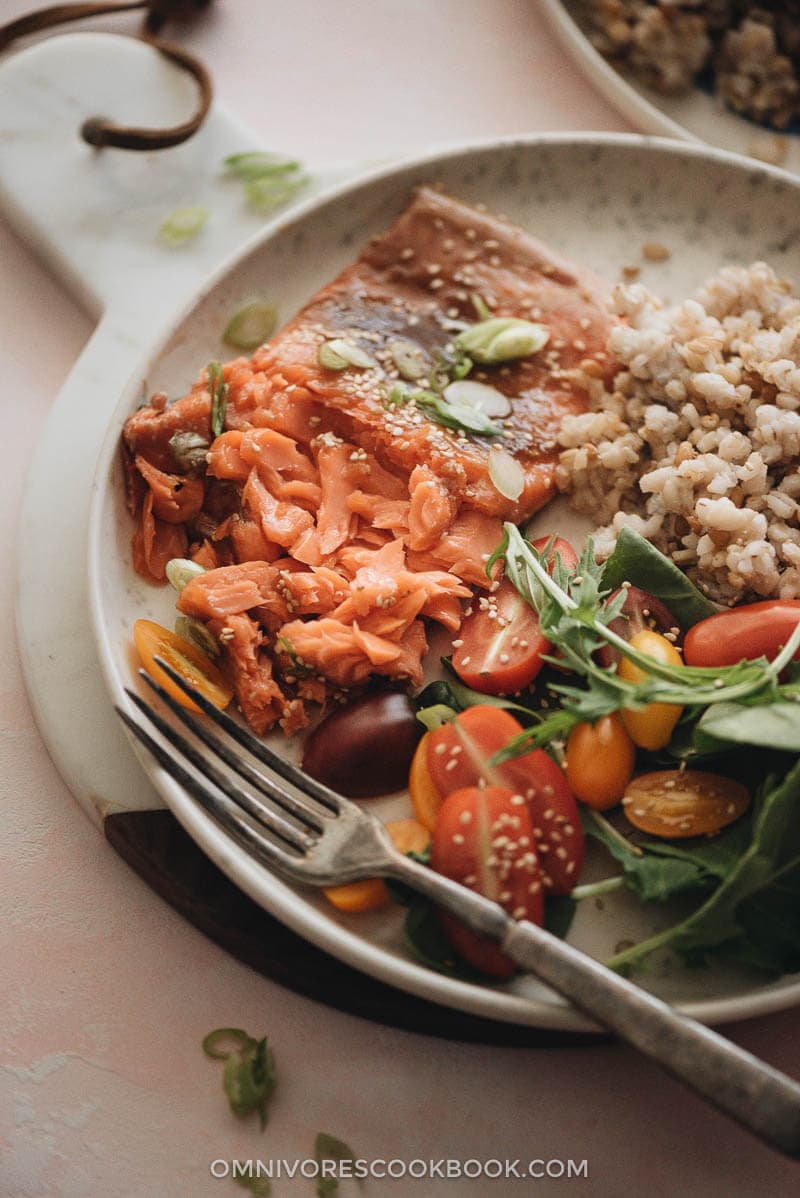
(695, 116)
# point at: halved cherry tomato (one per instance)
(500, 646)
(680, 803)
(641, 610)
(600, 761)
(408, 836)
(484, 840)
(652, 727)
(153, 641)
(743, 633)
(458, 755)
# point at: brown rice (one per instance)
(697, 444)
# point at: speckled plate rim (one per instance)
(265, 888)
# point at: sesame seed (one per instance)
(517, 801)
(465, 818)
(451, 765)
(458, 838)
(407, 253)
(440, 749)
(518, 913)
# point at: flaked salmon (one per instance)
(332, 519)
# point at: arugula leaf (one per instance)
(329, 1148)
(218, 390)
(636, 561)
(575, 615)
(764, 882)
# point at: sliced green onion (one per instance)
(249, 1080)
(506, 473)
(189, 450)
(239, 1040)
(481, 307)
(181, 570)
(329, 1148)
(196, 633)
(251, 326)
(485, 398)
(410, 359)
(434, 716)
(183, 224)
(339, 354)
(265, 192)
(259, 164)
(219, 397)
(502, 339)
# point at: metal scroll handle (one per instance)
(99, 130)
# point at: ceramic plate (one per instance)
(695, 116)
(596, 198)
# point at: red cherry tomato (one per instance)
(501, 644)
(742, 634)
(484, 840)
(458, 756)
(641, 611)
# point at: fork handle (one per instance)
(761, 1098)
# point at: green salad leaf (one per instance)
(636, 561)
(753, 914)
(765, 725)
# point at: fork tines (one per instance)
(295, 815)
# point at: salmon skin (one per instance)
(332, 522)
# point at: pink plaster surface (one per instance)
(105, 992)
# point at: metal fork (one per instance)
(308, 833)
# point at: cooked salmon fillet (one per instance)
(333, 523)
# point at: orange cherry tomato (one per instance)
(425, 798)
(680, 803)
(652, 727)
(600, 761)
(408, 836)
(152, 641)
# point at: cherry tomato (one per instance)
(364, 748)
(458, 755)
(484, 840)
(425, 798)
(679, 803)
(199, 671)
(600, 761)
(641, 610)
(743, 633)
(652, 727)
(500, 646)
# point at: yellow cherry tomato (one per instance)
(652, 727)
(199, 671)
(408, 836)
(679, 803)
(425, 798)
(600, 761)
